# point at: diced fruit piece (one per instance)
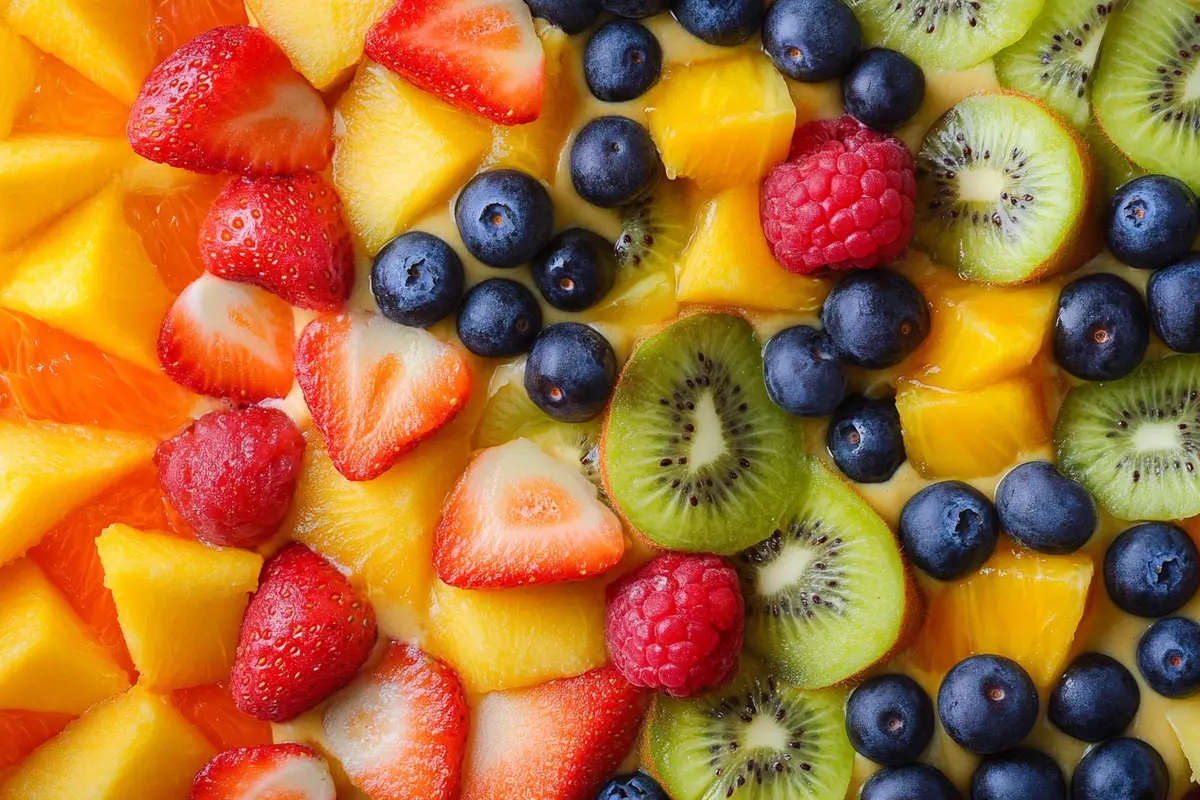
(211, 709)
(64, 102)
(571, 733)
(228, 340)
(970, 434)
(49, 660)
(722, 123)
(1184, 718)
(323, 38)
(508, 638)
(1020, 604)
(269, 772)
(176, 22)
(131, 747)
(255, 114)
(398, 152)
(20, 76)
(22, 732)
(399, 729)
(169, 223)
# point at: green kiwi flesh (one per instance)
(1134, 443)
(694, 454)
(945, 34)
(1002, 187)
(1115, 170)
(654, 230)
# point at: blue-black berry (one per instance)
(889, 720)
(803, 375)
(876, 318)
(811, 40)
(613, 162)
(573, 16)
(499, 318)
(417, 279)
(1121, 769)
(1168, 656)
(884, 89)
(865, 440)
(504, 217)
(720, 22)
(949, 529)
(1152, 222)
(1173, 295)
(1096, 699)
(1044, 510)
(621, 61)
(576, 270)
(571, 372)
(1102, 328)
(1152, 569)
(988, 704)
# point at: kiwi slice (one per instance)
(1134, 443)
(694, 453)
(945, 34)
(1005, 191)
(758, 738)
(654, 230)
(1114, 168)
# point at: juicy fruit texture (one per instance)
(63, 102)
(211, 709)
(22, 732)
(273, 772)
(721, 123)
(988, 704)
(1102, 328)
(323, 38)
(21, 61)
(177, 22)
(169, 223)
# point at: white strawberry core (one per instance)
(231, 312)
(367, 726)
(292, 101)
(294, 779)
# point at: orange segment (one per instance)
(22, 732)
(178, 21)
(169, 225)
(63, 101)
(211, 709)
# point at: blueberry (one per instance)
(812, 40)
(1168, 656)
(865, 440)
(1173, 295)
(638, 786)
(504, 217)
(575, 270)
(803, 375)
(875, 318)
(1121, 769)
(1102, 328)
(570, 372)
(1021, 774)
(635, 9)
(884, 89)
(988, 704)
(1096, 699)
(890, 720)
(573, 16)
(417, 279)
(1044, 510)
(949, 529)
(1152, 222)
(499, 318)
(913, 782)
(621, 61)
(719, 22)
(1152, 569)
(613, 162)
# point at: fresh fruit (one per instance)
(399, 729)
(176, 22)
(1020, 773)
(1102, 328)
(1005, 191)
(377, 389)
(1114, 166)
(721, 122)
(949, 529)
(811, 41)
(63, 103)
(1152, 222)
(1096, 699)
(255, 115)
(890, 720)
(572, 16)
(1152, 569)
(211, 709)
(635, 9)
(987, 704)
(323, 38)
(169, 223)
(1121, 767)
(638, 786)
(570, 372)
(914, 780)
(724, 24)
(864, 439)
(621, 61)
(875, 319)
(1167, 295)
(830, 573)
(504, 217)
(49, 661)
(21, 62)
(884, 89)
(268, 772)
(1044, 510)
(303, 599)
(22, 732)
(1168, 657)
(575, 270)
(570, 733)
(802, 373)
(613, 162)
(654, 230)
(417, 279)
(499, 318)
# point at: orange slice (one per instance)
(178, 21)
(22, 732)
(63, 101)
(211, 709)
(169, 224)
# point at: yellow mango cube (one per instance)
(323, 38)
(18, 77)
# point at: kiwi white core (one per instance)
(981, 185)
(1156, 436)
(791, 564)
(1191, 87)
(708, 443)
(764, 732)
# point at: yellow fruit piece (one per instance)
(323, 38)
(1020, 604)
(18, 77)
(724, 122)
(970, 434)
(1184, 717)
(109, 41)
(48, 470)
(180, 603)
(90, 276)
(398, 151)
(49, 660)
(728, 263)
(510, 638)
(135, 746)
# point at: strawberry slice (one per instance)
(376, 389)
(479, 55)
(268, 772)
(557, 741)
(285, 234)
(399, 730)
(230, 100)
(517, 517)
(228, 339)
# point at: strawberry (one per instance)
(557, 741)
(399, 729)
(228, 340)
(268, 772)
(480, 55)
(376, 389)
(230, 100)
(285, 234)
(305, 633)
(519, 516)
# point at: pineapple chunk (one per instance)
(135, 746)
(722, 123)
(18, 77)
(90, 276)
(179, 603)
(728, 263)
(48, 470)
(1184, 717)
(398, 151)
(49, 660)
(323, 38)
(511, 638)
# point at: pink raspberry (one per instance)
(676, 624)
(843, 200)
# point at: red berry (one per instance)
(231, 474)
(676, 624)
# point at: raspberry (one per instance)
(676, 624)
(843, 200)
(231, 474)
